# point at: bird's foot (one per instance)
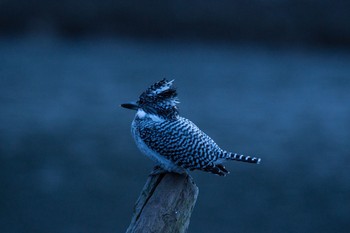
(157, 170)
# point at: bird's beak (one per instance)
(131, 105)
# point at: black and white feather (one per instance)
(160, 99)
(173, 142)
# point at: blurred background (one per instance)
(262, 77)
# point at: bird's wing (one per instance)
(182, 142)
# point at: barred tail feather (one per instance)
(243, 158)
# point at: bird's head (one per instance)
(160, 99)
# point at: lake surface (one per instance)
(69, 163)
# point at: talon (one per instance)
(157, 170)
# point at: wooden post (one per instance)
(165, 204)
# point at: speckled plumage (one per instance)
(174, 142)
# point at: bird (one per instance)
(173, 142)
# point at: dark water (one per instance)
(68, 162)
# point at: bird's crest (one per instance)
(160, 98)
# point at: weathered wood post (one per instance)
(165, 204)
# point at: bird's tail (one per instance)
(243, 158)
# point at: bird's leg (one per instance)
(157, 170)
